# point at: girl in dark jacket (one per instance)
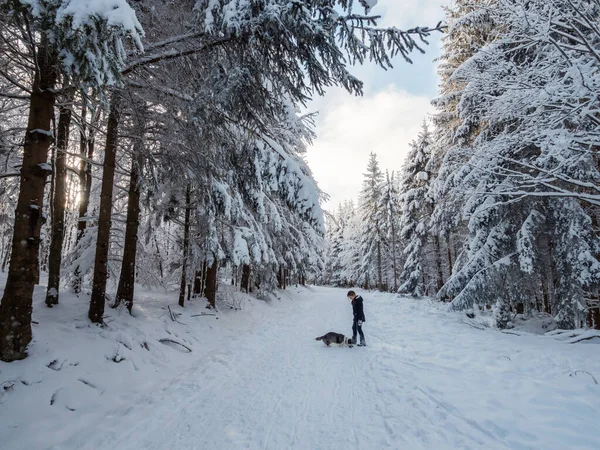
(359, 317)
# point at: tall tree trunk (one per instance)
(210, 291)
(199, 280)
(379, 269)
(204, 275)
(85, 169)
(547, 273)
(16, 305)
(160, 260)
(593, 317)
(59, 201)
(394, 258)
(450, 263)
(438, 263)
(98, 297)
(186, 244)
(86, 150)
(197, 283)
(126, 287)
(245, 284)
(450, 260)
(279, 277)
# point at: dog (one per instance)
(335, 338)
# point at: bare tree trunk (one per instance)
(126, 286)
(450, 263)
(16, 305)
(85, 169)
(204, 275)
(547, 273)
(86, 150)
(438, 263)
(197, 283)
(158, 256)
(593, 316)
(186, 244)
(199, 280)
(379, 277)
(394, 258)
(59, 201)
(98, 298)
(279, 277)
(245, 284)
(210, 291)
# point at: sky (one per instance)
(386, 118)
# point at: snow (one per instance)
(82, 13)
(257, 379)
(422, 176)
(40, 131)
(45, 167)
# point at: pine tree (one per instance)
(336, 248)
(529, 146)
(88, 48)
(371, 239)
(415, 209)
(389, 218)
(470, 28)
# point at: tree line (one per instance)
(496, 205)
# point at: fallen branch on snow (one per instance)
(171, 341)
(174, 316)
(577, 372)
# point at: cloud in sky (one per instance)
(386, 119)
(353, 127)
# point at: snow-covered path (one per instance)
(425, 381)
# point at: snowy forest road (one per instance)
(425, 381)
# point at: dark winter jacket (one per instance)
(357, 308)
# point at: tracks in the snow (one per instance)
(274, 387)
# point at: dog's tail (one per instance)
(320, 338)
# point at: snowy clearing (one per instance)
(257, 379)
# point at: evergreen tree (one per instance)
(371, 239)
(415, 209)
(336, 248)
(529, 147)
(350, 257)
(389, 218)
(88, 47)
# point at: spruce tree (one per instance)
(415, 210)
(371, 240)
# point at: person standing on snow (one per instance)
(359, 317)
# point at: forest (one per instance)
(496, 207)
(162, 144)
